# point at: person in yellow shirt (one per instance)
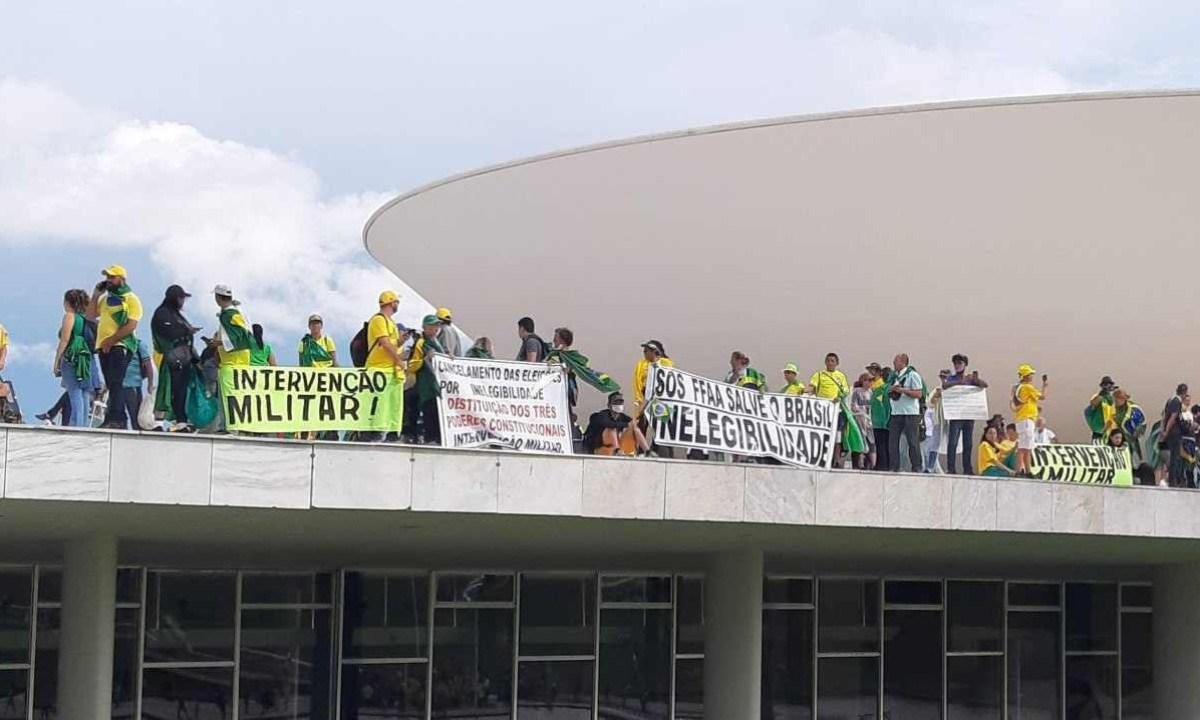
(3, 347)
(1025, 401)
(791, 386)
(829, 383)
(993, 458)
(234, 339)
(117, 311)
(383, 337)
(316, 349)
(652, 352)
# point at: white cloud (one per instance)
(31, 354)
(205, 210)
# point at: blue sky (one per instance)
(246, 142)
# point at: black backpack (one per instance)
(358, 347)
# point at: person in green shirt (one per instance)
(881, 413)
(262, 355)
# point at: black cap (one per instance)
(1106, 380)
(176, 293)
(959, 357)
(616, 396)
(656, 346)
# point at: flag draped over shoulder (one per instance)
(311, 351)
(578, 363)
(853, 437)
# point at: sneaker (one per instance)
(44, 417)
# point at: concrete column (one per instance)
(733, 635)
(1176, 641)
(85, 655)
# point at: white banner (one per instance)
(965, 402)
(503, 403)
(696, 412)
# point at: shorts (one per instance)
(1025, 431)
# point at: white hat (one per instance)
(225, 291)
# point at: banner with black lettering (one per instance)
(695, 412)
(302, 399)
(1098, 464)
(503, 403)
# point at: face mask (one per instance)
(618, 409)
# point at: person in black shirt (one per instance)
(1172, 435)
(173, 337)
(605, 427)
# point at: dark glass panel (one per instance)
(126, 646)
(189, 617)
(472, 663)
(1137, 665)
(1034, 688)
(1092, 687)
(975, 688)
(374, 692)
(849, 616)
(787, 674)
(558, 615)
(385, 616)
(202, 693)
(285, 664)
(912, 671)
(555, 690)
(45, 676)
(847, 687)
(912, 592)
(635, 589)
(975, 616)
(1140, 596)
(792, 591)
(16, 595)
(689, 689)
(1033, 594)
(689, 616)
(13, 689)
(1091, 617)
(286, 588)
(50, 585)
(635, 663)
(474, 588)
(129, 585)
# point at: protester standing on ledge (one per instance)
(234, 339)
(564, 338)
(1171, 437)
(1025, 401)
(533, 348)
(3, 347)
(881, 415)
(426, 389)
(1099, 412)
(905, 393)
(1129, 418)
(139, 371)
(262, 354)
(117, 311)
(448, 334)
(652, 352)
(316, 349)
(860, 407)
(832, 384)
(481, 350)
(172, 337)
(791, 385)
(74, 361)
(960, 428)
(740, 372)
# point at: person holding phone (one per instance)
(1026, 400)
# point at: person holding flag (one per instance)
(316, 349)
(1131, 420)
(234, 338)
(426, 388)
(832, 384)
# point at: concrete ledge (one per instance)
(352, 477)
(58, 466)
(624, 488)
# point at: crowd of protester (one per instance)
(112, 379)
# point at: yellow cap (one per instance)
(388, 297)
(444, 314)
(114, 271)
(1024, 370)
(791, 367)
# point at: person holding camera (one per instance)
(117, 311)
(905, 394)
(1025, 401)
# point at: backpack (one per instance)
(10, 411)
(545, 346)
(1014, 400)
(358, 346)
(89, 333)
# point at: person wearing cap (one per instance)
(605, 427)
(173, 338)
(234, 338)
(117, 311)
(383, 337)
(960, 429)
(316, 349)
(652, 352)
(1131, 420)
(1025, 401)
(881, 414)
(421, 417)
(791, 386)
(448, 334)
(1099, 412)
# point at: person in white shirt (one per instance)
(1043, 435)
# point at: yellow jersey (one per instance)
(1028, 398)
(640, 372)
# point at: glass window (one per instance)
(126, 646)
(689, 689)
(558, 615)
(912, 671)
(371, 692)
(1137, 678)
(1141, 596)
(1033, 665)
(975, 688)
(129, 585)
(187, 692)
(286, 661)
(912, 592)
(635, 589)
(50, 584)
(385, 616)
(45, 677)
(635, 663)
(16, 595)
(975, 616)
(474, 588)
(472, 662)
(1033, 594)
(847, 687)
(1092, 687)
(13, 694)
(849, 616)
(1091, 617)
(286, 589)
(787, 673)
(689, 616)
(189, 617)
(790, 591)
(555, 690)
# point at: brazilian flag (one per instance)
(852, 437)
(578, 363)
(311, 352)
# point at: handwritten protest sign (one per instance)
(295, 399)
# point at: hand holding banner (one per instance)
(965, 402)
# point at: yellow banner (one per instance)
(1098, 464)
(295, 399)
